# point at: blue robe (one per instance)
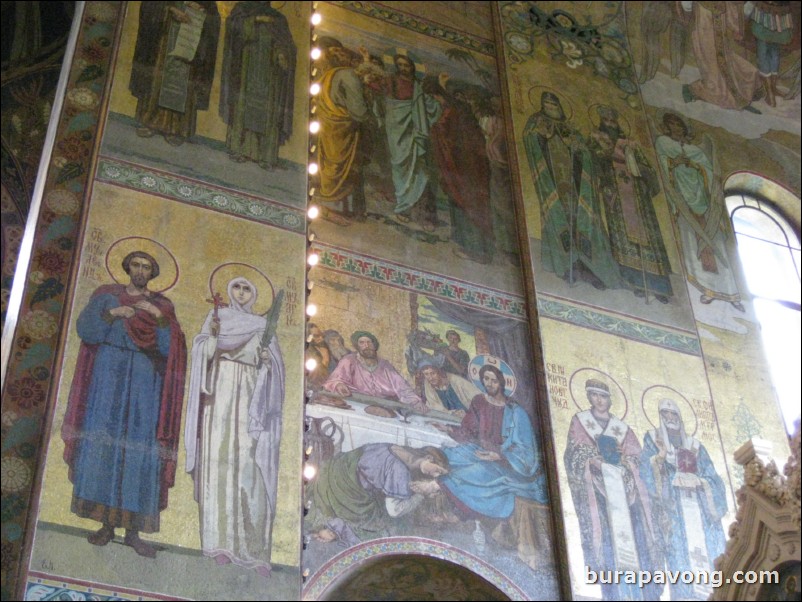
(117, 457)
(666, 506)
(489, 488)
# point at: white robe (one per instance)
(235, 405)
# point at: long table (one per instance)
(408, 427)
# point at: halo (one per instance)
(226, 272)
(510, 382)
(594, 118)
(389, 59)
(652, 396)
(168, 266)
(577, 386)
(568, 108)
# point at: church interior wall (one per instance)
(483, 197)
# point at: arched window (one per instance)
(768, 247)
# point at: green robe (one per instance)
(573, 239)
(338, 493)
(408, 122)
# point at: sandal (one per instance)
(102, 536)
(140, 547)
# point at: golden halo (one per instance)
(568, 108)
(651, 398)
(626, 129)
(577, 386)
(226, 272)
(510, 382)
(168, 266)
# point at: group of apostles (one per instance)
(491, 466)
(442, 379)
(434, 136)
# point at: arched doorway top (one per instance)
(353, 562)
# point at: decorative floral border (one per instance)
(420, 25)
(346, 560)
(511, 306)
(448, 289)
(174, 187)
(33, 355)
(628, 329)
(41, 586)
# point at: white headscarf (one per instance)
(234, 304)
(687, 442)
(238, 323)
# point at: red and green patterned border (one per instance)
(435, 285)
(29, 377)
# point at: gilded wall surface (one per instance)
(626, 118)
(422, 411)
(533, 351)
(177, 189)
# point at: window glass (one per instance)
(769, 252)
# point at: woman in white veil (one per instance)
(233, 430)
